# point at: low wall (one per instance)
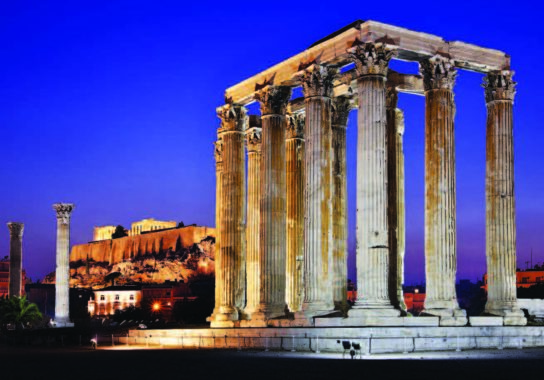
(371, 340)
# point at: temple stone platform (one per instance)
(370, 339)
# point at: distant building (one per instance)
(525, 279)
(4, 277)
(136, 228)
(159, 297)
(106, 301)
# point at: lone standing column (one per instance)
(15, 258)
(218, 154)
(395, 172)
(317, 84)
(294, 145)
(232, 216)
(272, 249)
(253, 140)
(341, 106)
(62, 281)
(440, 221)
(371, 64)
(500, 202)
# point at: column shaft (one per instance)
(340, 112)
(294, 146)
(440, 220)
(500, 201)
(218, 150)
(317, 86)
(272, 249)
(232, 215)
(15, 259)
(253, 138)
(62, 279)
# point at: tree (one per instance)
(18, 311)
(112, 276)
(119, 232)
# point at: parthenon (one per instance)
(282, 228)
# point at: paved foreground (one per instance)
(122, 363)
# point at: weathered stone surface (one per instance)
(372, 227)
(15, 258)
(440, 220)
(272, 249)
(232, 214)
(253, 273)
(341, 106)
(317, 87)
(500, 202)
(395, 183)
(294, 146)
(485, 321)
(62, 282)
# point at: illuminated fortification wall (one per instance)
(116, 250)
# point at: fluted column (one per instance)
(232, 216)
(341, 106)
(62, 281)
(395, 184)
(15, 258)
(500, 202)
(272, 248)
(253, 141)
(371, 63)
(440, 219)
(317, 86)
(218, 155)
(294, 147)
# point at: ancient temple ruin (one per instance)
(281, 237)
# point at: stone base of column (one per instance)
(224, 324)
(448, 316)
(374, 312)
(61, 323)
(512, 315)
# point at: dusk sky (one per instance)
(111, 105)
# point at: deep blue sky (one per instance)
(111, 105)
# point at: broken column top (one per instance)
(408, 45)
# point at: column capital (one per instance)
(438, 73)
(254, 139)
(371, 58)
(273, 99)
(498, 85)
(295, 126)
(399, 121)
(233, 118)
(64, 211)
(16, 229)
(317, 80)
(218, 150)
(341, 105)
(391, 97)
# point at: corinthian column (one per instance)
(317, 86)
(500, 202)
(440, 220)
(272, 249)
(15, 258)
(371, 64)
(62, 281)
(341, 106)
(395, 174)
(253, 140)
(294, 145)
(218, 154)
(232, 216)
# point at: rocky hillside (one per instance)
(178, 263)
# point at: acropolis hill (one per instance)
(152, 256)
